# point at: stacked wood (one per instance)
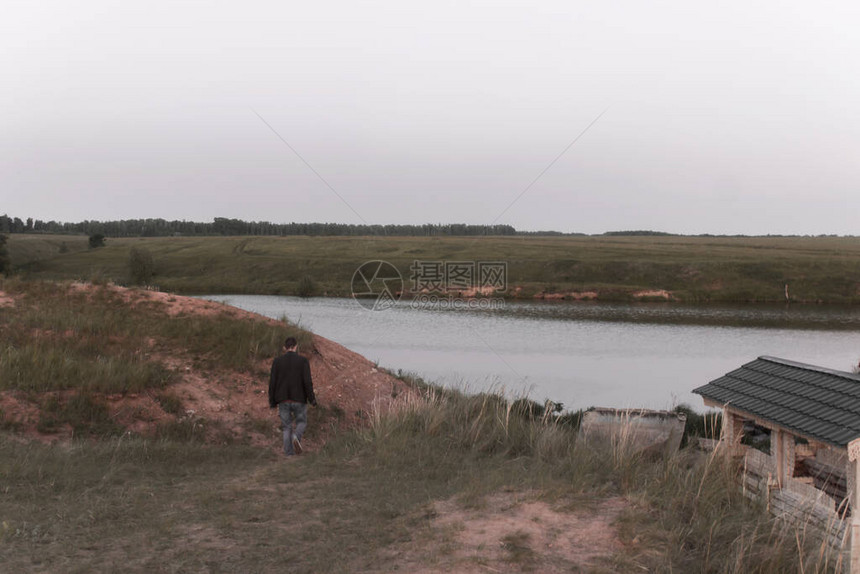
(827, 478)
(821, 514)
(758, 468)
(798, 508)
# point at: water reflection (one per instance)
(823, 317)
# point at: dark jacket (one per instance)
(290, 380)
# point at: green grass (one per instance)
(178, 505)
(35, 247)
(64, 349)
(694, 268)
(85, 412)
(42, 366)
(59, 338)
(115, 505)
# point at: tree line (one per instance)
(229, 226)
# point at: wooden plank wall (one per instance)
(797, 503)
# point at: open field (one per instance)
(694, 269)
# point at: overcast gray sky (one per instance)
(721, 117)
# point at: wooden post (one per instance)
(853, 498)
(782, 451)
(733, 430)
(777, 451)
(726, 430)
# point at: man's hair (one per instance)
(290, 342)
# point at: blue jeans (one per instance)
(290, 412)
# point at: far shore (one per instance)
(650, 269)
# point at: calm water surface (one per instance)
(580, 354)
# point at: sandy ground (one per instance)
(514, 532)
(654, 294)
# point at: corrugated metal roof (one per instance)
(819, 403)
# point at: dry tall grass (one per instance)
(690, 514)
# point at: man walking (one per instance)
(291, 389)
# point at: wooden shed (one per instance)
(797, 429)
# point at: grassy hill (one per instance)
(621, 268)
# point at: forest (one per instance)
(231, 226)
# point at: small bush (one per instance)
(7, 422)
(708, 425)
(89, 415)
(86, 413)
(170, 403)
(533, 410)
(186, 429)
(4, 254)
(571, 419)
(306, 287)
(141, 266)
(517, 545)
(97, 240)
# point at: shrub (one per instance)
(170, 403)
(708, 425)
(4, 254)
(306, 287)
(141, 266)
(85, 412)
(97, 240)
(185, 429)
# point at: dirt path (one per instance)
(513, 532)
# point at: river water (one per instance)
(579, 354)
